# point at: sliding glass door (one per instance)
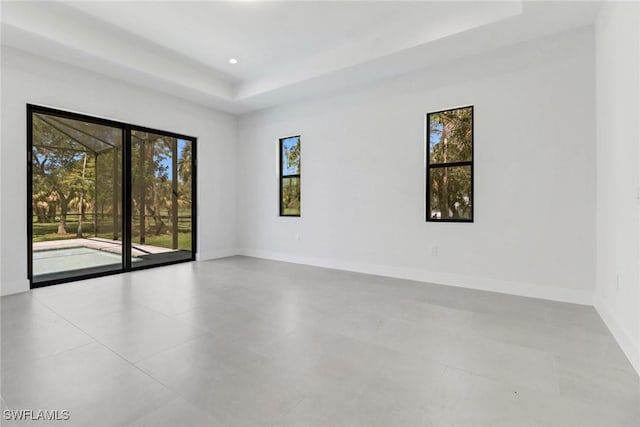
(161, 178)
(76, 197)
(106, 197)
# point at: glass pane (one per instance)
(451, 135)
(291, 156)
(161, 199)
(451, 196)
(76, 198)
(80, 135)
(290, 196)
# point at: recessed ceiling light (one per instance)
(233, 61)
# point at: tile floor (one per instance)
(248, 342)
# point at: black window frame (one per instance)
(125, 200)
(282, 176)
(430, 166)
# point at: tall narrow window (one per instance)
(290, 176)
(450, 165)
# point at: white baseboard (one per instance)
(576, 296)
(629, 345)
(222, 253)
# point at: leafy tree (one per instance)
(57, 168)
(151, 157)
(185, 163)
(291, 195)
(84, 186)
(108, 184)
(291, 185)
(69, 177)
(292, 154)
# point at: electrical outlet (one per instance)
(434, 251)
(617, 282)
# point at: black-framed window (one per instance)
(289, 180)
(106, 197)
(449, 149)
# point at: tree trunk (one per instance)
(41, 213)
(174, 194)
(115, 194)
(144, 154)
(51, 212)
(64, 208)
(157, 215)
(81, 200)
(444, 192)
(95, 195)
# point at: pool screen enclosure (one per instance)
(105, 196)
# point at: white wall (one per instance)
(28, 79)
(363, 176)
(617, 295)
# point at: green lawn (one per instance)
(44, 232)
(291, 211)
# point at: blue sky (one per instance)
(434, 137)
(286, 146)
(167, 161)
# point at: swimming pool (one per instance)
(74, 258)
